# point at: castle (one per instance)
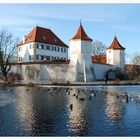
(43, 56)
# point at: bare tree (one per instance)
(135, 59)
(7, 52)
(98, 50)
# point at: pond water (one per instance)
(70, 111)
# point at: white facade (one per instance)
(80, 67)
(24, 51)
(59, 72)
(80, 64)
(116, 57)
(80, 46)
(36, 51)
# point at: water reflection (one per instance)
(24, 107)
(114, 107)
(70, 111)
(77, 122)
(41, 111)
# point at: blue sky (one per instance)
(100, 21)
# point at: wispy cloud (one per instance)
(37, 13)
(124, 27)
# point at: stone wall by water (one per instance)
(101, 69)
(41, 72)
(61, 72)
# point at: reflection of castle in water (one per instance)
(114, 107)
(77, 122)
(24, 106)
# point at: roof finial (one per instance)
(115, 36)
(80, 22)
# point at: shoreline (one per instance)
(97, 83)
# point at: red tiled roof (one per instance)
(43, 35)
(115, 45)
(98, 59)
(81, 34)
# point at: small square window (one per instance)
(42, 46)
(47, 47)
(54, 48)
(48, 58)
(42, 57)
(30, 57)
(37, 46)
(38, 57)
(61, 49)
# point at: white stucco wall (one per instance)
(52, 53)
(61, 72)
(41, 72)
(53, 72)
(80, 46)
(101, 69)
(25, 51)
(116, 57)
(80, 64)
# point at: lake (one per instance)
(70, 111)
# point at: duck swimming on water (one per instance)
(71, 107)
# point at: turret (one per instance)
(80, 42)
(80, 52)
(116, 54)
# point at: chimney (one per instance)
(24, 38)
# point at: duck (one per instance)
(71, 107)
(82, 99)
(93, 94)
(27, 89)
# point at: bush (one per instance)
(68, 82)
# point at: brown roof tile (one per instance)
(99, 59)
(43, 35)
(115, 45)
(81, 34)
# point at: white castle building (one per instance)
(41, 44)
(41, 52)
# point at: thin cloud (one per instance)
(124, 27)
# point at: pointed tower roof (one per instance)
(81, 34)
(115, 45)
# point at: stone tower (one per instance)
(116, 54)
(80, 67)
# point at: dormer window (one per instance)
(55, 40)
(44, 38)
